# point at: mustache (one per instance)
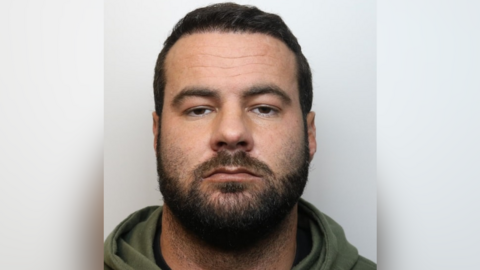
(238, 159)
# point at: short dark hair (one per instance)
(231, 17)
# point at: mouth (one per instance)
(231, 174)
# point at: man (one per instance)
(234, 136)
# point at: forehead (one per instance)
(230, 61)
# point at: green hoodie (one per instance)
(130, 245)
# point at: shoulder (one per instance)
(129, 245)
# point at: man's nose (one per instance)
(231, 131)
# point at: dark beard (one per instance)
(238, 222)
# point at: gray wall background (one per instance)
(339, 40)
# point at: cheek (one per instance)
(281, 148)
(173, 155)
(188, 140)
(173, 159)
(182, 149)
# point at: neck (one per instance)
(182, 250)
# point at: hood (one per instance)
(130, 245)
(330, 250)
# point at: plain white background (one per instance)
(51, 134)
(337, 37)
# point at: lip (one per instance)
(230, 170)
(231, 174)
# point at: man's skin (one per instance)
(228, 115)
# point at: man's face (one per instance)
(232, 145)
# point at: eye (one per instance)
(199, 111)
(265, 111)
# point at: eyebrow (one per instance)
(194, 92)
(211, 93)
(267, 89)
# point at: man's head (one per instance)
(233, 131)
(230, 17)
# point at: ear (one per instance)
(312, 134)
(155, 126)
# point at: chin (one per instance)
(223, 201)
